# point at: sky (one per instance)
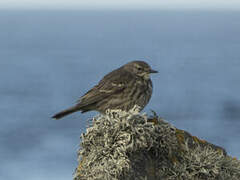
(123, 4)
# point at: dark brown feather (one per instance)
(65, 112)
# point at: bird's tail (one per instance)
(65, 112)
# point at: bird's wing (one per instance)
(113, 83)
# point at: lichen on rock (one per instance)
(128, 146)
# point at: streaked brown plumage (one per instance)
(122, 89)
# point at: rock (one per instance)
(129, 146)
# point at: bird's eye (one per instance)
(139, 68)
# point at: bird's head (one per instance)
(139, 68)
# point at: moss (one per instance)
(180, 136)
(80, 166)
(199, 141)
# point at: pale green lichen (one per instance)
(128, 146)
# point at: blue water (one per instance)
(48, 59)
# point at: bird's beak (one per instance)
(153, 71)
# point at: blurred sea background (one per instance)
(49, 58)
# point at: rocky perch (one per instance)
(132, 146)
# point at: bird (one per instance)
(122, 89)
